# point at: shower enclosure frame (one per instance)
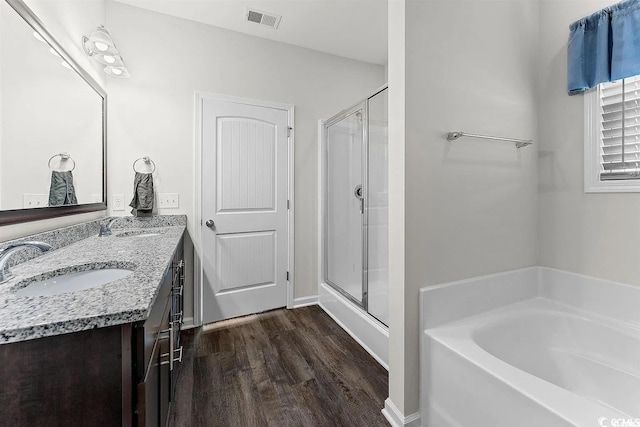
(323, 192)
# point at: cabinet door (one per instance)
(164, 342)
(177, 315)
(153, 392)
(148, 393)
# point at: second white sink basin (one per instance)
(73, 282)
(140, 233)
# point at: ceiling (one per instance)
(355, 29)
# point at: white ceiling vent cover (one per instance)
(267, 19)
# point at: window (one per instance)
(612, 137)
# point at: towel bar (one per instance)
(452, 136)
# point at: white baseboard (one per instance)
(188, 323)
(396, 418)
(305, 301)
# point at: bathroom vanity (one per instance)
(105, 355)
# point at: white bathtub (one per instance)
(534, 350)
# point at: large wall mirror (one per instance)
(52, 124)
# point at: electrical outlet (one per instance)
(168, 200)
(34, 200)
(117, 202)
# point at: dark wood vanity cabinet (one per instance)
(158, 349)
(110, 376)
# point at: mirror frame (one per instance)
(24, 215)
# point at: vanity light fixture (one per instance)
(101, 47)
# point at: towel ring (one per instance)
(63, 158)
(147, 160)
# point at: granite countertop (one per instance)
(123, 301)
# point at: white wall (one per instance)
(67, 21)
(397, 110)
(153, 112)
(592, 234)
(470, 205)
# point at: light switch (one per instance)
(168, 200)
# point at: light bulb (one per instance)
(120, 72)
(101, 46)
(65, 64)
(53, 52)
(109, 59)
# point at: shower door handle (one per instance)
(357, 192)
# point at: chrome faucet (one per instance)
(5, 255)
(105, 228)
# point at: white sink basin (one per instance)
(73, 282)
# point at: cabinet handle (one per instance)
(171, 338)
(179, 358)
(175, 359)
(171, 355)
(178, 318)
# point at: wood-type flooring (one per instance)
(278, 368)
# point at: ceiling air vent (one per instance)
(268, 19)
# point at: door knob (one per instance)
(210, 223)
(357, 191)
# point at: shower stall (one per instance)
(354, 228)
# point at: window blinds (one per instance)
(620, 126)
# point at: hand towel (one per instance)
(142, 202)
(62, 191)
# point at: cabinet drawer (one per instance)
(154, 385)
(147, 333)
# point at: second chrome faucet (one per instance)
(105, 228)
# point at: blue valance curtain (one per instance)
(604, 46)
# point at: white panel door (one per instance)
(244, 209)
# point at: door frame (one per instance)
(198, 301)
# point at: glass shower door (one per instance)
(378, 207)
(345, 157)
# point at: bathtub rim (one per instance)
(476, 295)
